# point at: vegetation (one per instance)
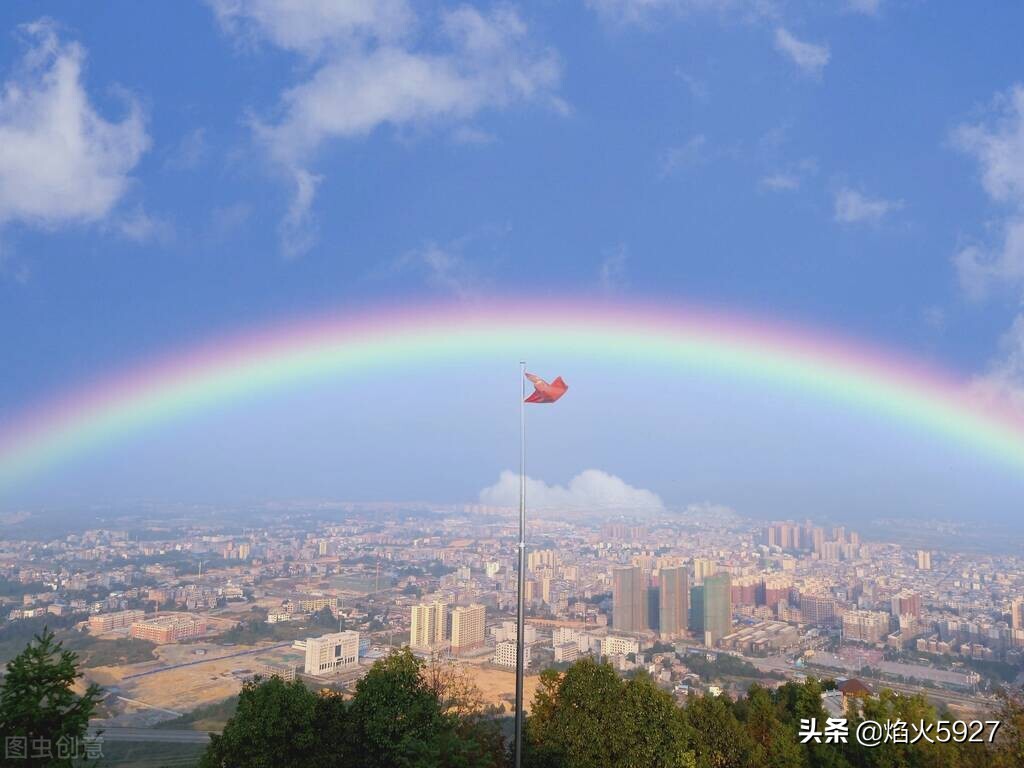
(401, 716)
(723, 665)
(15, 635)
(38, 704)
(219, 712)
(409, 714)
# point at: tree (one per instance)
(587, 717)
(273, 727)
(38, 705)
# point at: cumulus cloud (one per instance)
(811, 58)
(61, 161)
(378, 64)
(853, 207)
(997, 144)
(590, 491)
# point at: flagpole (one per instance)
(520, 609)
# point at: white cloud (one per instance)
(811, 58)
(376, 64)
(853, 207)
(781, 182)
(60, 160)
(1003, 384)
(612, 272)
(467, 134)
(312, 27)
(444, 267)
(189, 153)
(141, 227)
(998, 147)
(687, 155)
(867, 7)
(590, 491)
(640, 11)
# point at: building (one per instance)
(629, 599)
(711, 608)
(865, 626)
(505, 654)
(429, 622)
(613, 645)
(105, 622)
(331, 653)
(817, 609)
(762, 639)
(285, 666)
(924, 560)
(169, 629)
(702, 568)
(674, 602)
(567, 652)
(1017, 613)
(563, 635)
(314, 604)
(906, 603)
(468, 627)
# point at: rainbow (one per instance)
(727, 345)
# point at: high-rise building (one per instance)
(674, 601)
(629, 601)
(711, 608)
(717, 599)
(1017, 613)
(702, 568)
(467, 627)
(865, 626)
(817, 609)
(653, 595)
(906, 603)
(330, 653)
(924, 560)
(429, 622)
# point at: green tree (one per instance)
(38, 704)
(273, 727)
(719, 738)
(588, 717)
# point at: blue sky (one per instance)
(174, 171)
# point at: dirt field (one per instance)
(183, 688)
(499, 687)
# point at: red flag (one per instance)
(544, 392)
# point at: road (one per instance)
(121, 733)
(158, 670)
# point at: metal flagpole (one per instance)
(520, 609)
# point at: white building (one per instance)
(613, 645)
(429, 625)
(468, 627)
(563, 635)
(567, 652)
(331, 653)
(505, 654)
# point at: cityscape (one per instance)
(493, 384)
(171, 615)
